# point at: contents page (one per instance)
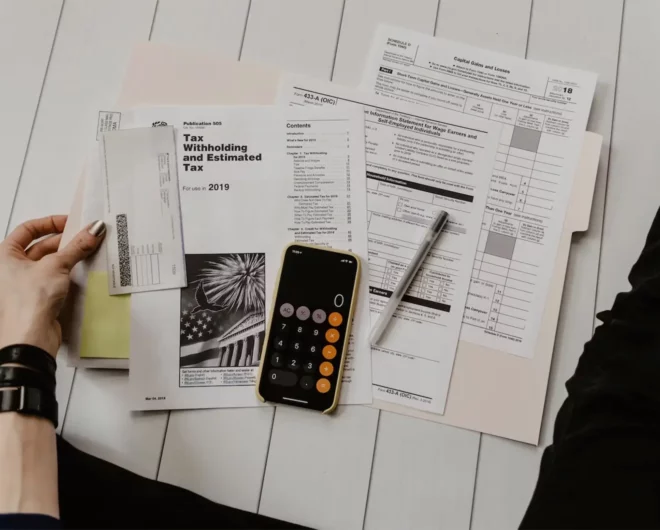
(417, 164)
(543, 110)
(252, 180)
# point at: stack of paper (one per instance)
(492, 139)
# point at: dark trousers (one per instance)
(97, 494)
(603, 468)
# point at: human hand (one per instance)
(34, 280)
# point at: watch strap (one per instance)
(29, 401)
(29, 356)
(21, 376)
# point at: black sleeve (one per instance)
(28, 520)
(97, 494)
(603, 468)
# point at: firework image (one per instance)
(223, 311)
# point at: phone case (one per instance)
(347, 335)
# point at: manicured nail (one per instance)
(97, 229)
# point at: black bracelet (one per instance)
(30, 401)
(29, 356)
(21, 376)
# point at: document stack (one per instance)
(201, 198)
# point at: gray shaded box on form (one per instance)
(500, 245)
(525, 139)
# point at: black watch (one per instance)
(29, 401)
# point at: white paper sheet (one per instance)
(417, 163)
(142, 210)
(252, 180)
(544, 111)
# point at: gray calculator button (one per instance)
(286, 310)
(309, 367)
(307, 382)
(302, 312)
(282, 377)
(277, 360)
(318, 316)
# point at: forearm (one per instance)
(34, 284)
(28, 464)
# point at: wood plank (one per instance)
(633, 193)
(423, 475)
(207, 25)
(203, 448)
(27, 30)
(361, 18)
(445, 477)
(315, 473)
(220, 454)
(27, 33)
(294, 35)
(590, 45)
(500, 26)
(301, 37)
(99, 422)
(508, 470)
(84, 75)
(434, 482)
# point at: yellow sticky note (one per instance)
(106, 323)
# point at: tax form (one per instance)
(417, 164)
(543, 110)
(252, 180)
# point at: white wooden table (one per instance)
(62, 60)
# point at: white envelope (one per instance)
(142, 210)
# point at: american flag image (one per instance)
(199, 327)
(222, 289)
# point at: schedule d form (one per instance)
(543, 110)
(417, 163)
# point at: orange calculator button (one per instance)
(323, 385)
(335, 319)
(332, 335)
(326, 368)
(329, 352)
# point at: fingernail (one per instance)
(97, 229)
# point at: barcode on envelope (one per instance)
(125, 278)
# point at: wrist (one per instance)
(29, 341)
(12, 333)
(27, 324)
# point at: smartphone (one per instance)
(307, 338)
